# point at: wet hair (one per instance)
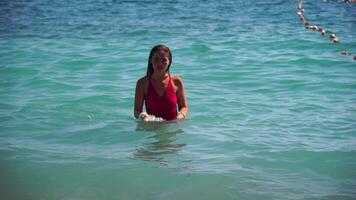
(155, 49)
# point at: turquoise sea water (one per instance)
(272, 105)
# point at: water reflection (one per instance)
(160, 146)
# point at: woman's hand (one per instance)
(149, 118)
(180, 115)
(143, 116)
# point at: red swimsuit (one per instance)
(164, 106)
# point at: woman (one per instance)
(160, 90)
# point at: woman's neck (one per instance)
(159, 76)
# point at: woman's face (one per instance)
(160, 61)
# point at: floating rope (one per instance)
(309, 26)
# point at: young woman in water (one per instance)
(160, 90)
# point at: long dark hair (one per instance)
(157, 48)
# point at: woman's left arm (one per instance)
(182, 101)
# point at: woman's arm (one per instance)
(182, 101)
(139, 97)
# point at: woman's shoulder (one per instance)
(176, 77)
(177, 80)
(142, 82)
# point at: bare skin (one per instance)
(160, 80)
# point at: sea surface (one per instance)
(272, 106)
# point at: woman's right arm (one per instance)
(139, 97)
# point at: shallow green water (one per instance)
(272, 105)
